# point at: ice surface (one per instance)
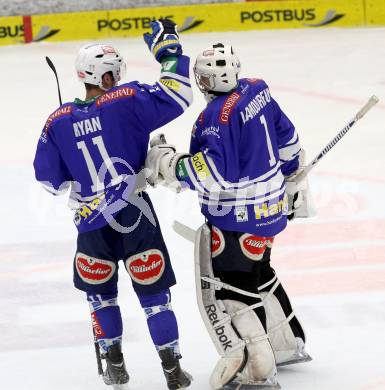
(333, 265)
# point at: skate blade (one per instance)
(304, 359)
(241, 386)
(123, 386)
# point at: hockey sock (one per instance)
(161, 320)
(106, 319)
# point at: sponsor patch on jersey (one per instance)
(92, 270)
(253, 247)
(181, 169)
(96, 325)
(146, 267)
(66, 110)
(211, 130)
(228, 107)
(170, 83)
(119, 93)
(271, 208)
(241, 213)
(217, 242)
(169, 66)
(200, 167)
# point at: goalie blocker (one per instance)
(237, 313)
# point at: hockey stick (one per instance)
(97, 352)
(52, 66)
(370, 104)
(184, 231)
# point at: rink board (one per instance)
(241, 16)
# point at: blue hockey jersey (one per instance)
(242, 146)
(96, 146)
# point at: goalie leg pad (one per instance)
(218, 323)
(260, 366)
(285, 331)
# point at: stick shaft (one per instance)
(370, 104)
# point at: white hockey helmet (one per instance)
(95, 60)
(216, 69)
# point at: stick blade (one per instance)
(184, 231)
(50, 63)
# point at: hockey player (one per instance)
(97, 146)
(244, 154)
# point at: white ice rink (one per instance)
(333, 265)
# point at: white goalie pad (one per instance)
(234, 327)
(217, 322)
(260, 369)
(287, 348)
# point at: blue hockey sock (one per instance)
(106, 319)
(161, 320)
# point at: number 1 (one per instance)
(272, 160)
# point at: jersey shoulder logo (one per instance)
(228, 107)
(119, 93)
(62, 111)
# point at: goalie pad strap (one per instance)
(281, 324)
(226, 286)
(246, 309)
(267, 283)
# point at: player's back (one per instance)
(101, 139)
(245, 139)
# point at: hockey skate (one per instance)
(176, 378)
(115, 373)
(238, 384)
(300, 355)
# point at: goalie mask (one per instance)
(216, 69)
(95, 60)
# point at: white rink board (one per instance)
(333, 265)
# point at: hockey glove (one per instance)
(300, 201)
(164, 39)
(161, 163)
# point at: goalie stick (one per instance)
(189, 233)
(360, 114)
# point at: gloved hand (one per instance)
(163, 41)
(300, 200)
(161, 163)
